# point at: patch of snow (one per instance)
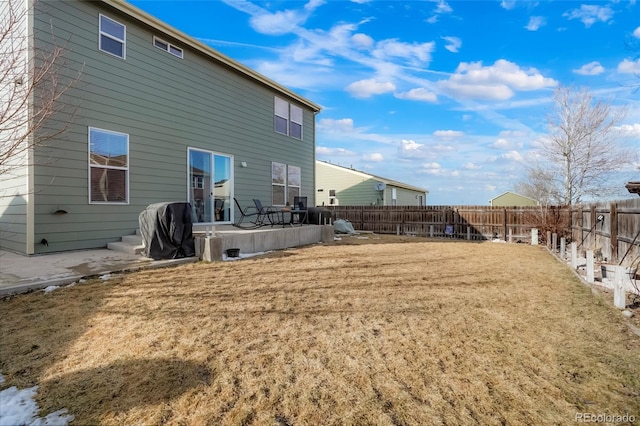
(51, 288)
(337, 239)
(19, 408)
(498, 240)
(105, 277)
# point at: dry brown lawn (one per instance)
(410, 332)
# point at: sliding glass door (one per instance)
(210, 186)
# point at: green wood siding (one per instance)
(355, 188)
(166, 105)
(510, 199)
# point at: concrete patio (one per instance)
(21, 273)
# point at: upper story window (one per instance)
(168, 47)
(112, 37)
(287, 118)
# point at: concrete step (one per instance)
(122, 247)
(135, 240)
(130, 244)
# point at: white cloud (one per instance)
(589, 14)
(447, 134)
(454, 44)
(592, 68)
(336, 152)
(472, 166)
(374, 156)
(418, 94)
(490, 187)
(636, 32)
(513, 156)
(535, 22)
(282, 22)
(409, 145)
(362, 40)
(629, 130)
(368, 88)
(629, 67)
(495, 82)
(508, 4)
(501, 143)
(413, 53)
(442, 8)
(343, 125)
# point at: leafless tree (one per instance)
(34, 77)
(581, 151)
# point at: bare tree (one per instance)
(582, 150)
(33, 79)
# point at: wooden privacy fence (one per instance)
(611, 230)
(470, 222)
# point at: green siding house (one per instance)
(511, 199)
(152, 115)
(337, 185)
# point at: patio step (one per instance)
(130, 244)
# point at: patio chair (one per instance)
(251, 217)
(266, 213)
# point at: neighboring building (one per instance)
(511, 199)
(158, 117)
(345, 186)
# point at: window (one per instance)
(286, 183)
(197, 182)
(108, 167)
(112, 37)
(281, 116)
(293, 183)
(278, 184)
(295, 127)
(287, 119)
(167, 47)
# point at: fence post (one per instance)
(590, 272)
(504, 224)
(534, 237)
(563, 247)
(613, 217)
(619, 297)
(574, 255)
(469, 233)
(549, 239)
(431, 231)
(510, 235)
(554, 242)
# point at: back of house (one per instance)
(149, 115)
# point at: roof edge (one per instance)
(156, 23)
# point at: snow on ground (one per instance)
(19, 408)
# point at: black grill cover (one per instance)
(167, 231)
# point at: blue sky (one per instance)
(447, 96)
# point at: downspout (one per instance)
(30, 154)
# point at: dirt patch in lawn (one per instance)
(401, 332)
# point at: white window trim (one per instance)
(169, 46)
(106, 167)
(101, 33)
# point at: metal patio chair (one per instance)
(251, 217)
